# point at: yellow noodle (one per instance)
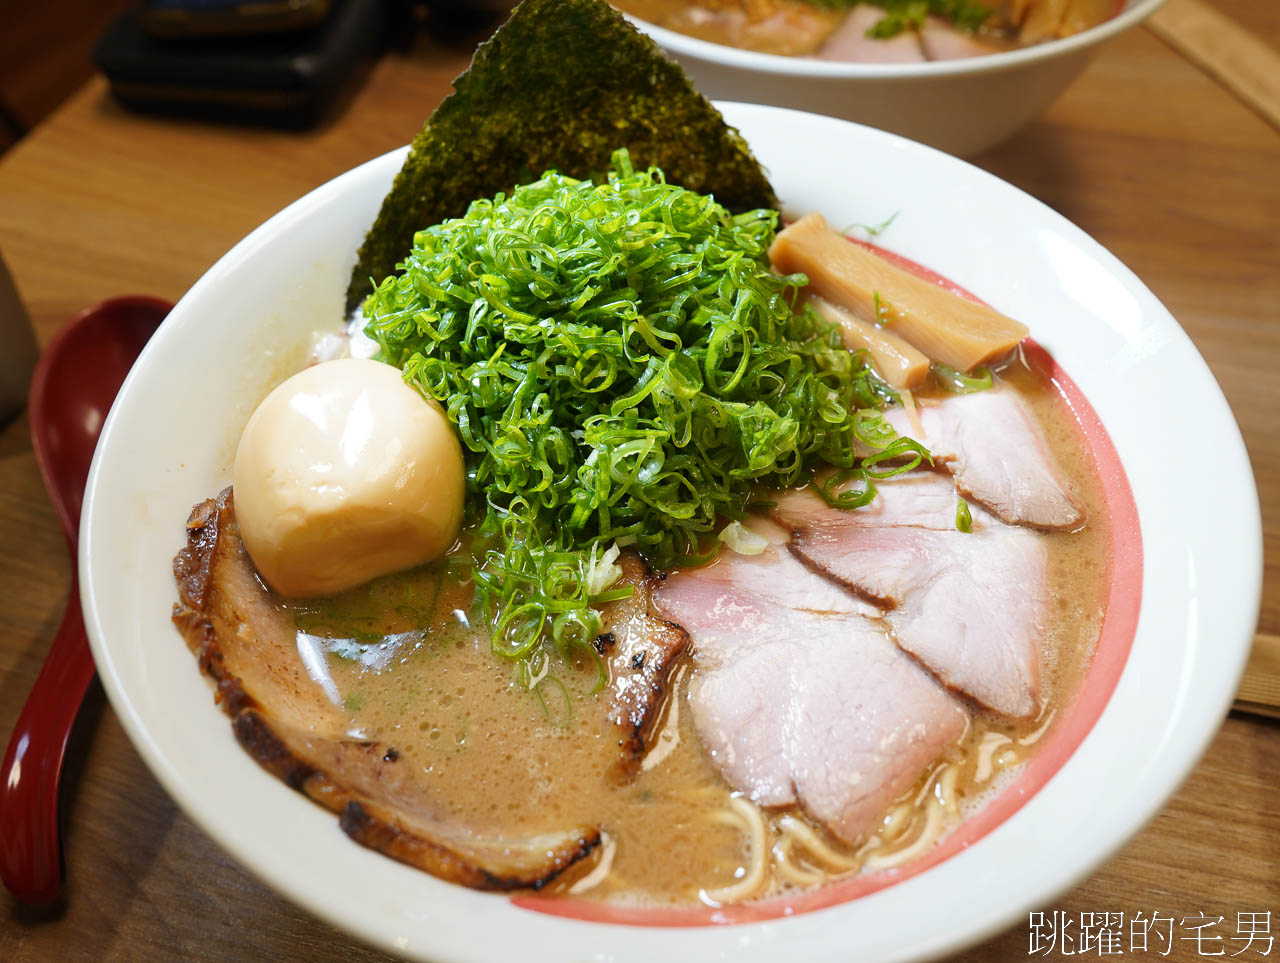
(945, 787)
(749, 815)
(1006, 757)
(795, 830)
(1032, 737)
(785, 865)
(897, 821)
(928, 834)
(991, 742)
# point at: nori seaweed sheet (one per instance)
(558, 87)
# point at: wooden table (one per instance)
(1145, 152)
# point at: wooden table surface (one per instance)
(1145, 152)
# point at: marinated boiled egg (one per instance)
(345, 473)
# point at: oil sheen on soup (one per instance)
(504, 757)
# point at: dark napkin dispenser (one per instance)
(288, 79)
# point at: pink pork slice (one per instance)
(807, 705)
(850, 42)
(777, 577)
(997, 456)
(970, 606)
(919, 499)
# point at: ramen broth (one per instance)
(410, 670)
(801, 28)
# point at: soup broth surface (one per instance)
(409, 668)
(802, 28)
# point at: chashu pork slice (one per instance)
(851, 42)
(775, 576)
(998, 457)
(815, 706)
(971, 606)
(919, 499)
(285, 721)
(640, 648)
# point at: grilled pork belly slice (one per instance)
(800, 705)
(248, 645)
(997, 456)
(640, 648)
(970, 606)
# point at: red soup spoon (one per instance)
(74, 384)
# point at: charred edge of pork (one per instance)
(366, 825)
(362, 819)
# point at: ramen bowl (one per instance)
(1181, 607)
(959, 106)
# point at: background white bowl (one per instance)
(169, 440)
(960, 106)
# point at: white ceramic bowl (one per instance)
(960, 106)
(169, 440)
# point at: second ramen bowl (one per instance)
(959, 106)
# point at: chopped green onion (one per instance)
(905, 448)
(964, 520)
(881, 310)
(603, 571)
(861, 493)
(873, 230)
(979, 379)
(902, 15)
(742, 540)
(623, 368)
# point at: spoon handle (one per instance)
(30, 851)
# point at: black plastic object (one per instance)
(287, 79)
(208, 18)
